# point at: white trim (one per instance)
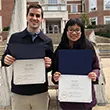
(105, 18)
(76, 6)
(53, 2)
(0, 5)
(104, 5)
(93, 18)
(92, 1)
(0, 24)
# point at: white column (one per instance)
(44, 26)
(18, 20)
(18, 23)
(63, 22)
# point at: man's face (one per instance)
(34, 18)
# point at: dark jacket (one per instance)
(77, 106)
(25, 37)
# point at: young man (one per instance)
(30, 96)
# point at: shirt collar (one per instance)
(25, 33)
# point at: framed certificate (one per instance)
(75, 88)
(30, 71)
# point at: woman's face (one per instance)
(74, 32)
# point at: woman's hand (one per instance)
(56, 76)
(48, 62)
(93, 76)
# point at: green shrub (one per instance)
(104, 34)
(6, 28)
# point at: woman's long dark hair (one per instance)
(82, 43)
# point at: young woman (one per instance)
(74, 38)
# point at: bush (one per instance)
(6, 28)
(104, 34)
(101, 30)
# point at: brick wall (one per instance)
(7, 7)
(6, 12)
(99, 13)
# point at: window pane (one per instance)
(92, 5)
(63, 2)
(107, 4)
(74, 8)
(63, 7)
(42, 2)
(107, 20)
(52, 1)
(93, 21)
(52, 7)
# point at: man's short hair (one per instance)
(35, 6)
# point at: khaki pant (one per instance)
(33, 102)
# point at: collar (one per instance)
(25, 33)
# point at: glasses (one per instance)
(74, 30)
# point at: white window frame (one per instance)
(94, 1)
(106, 18)
(93, 18)
(0, 24)
(105, 7)
(76, 6)
(0, 5)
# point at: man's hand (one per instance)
(56, 76)
(48, 62)
(8, 60)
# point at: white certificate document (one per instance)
(30, 71)
(75, 88)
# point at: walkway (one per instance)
(106, 70)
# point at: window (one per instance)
(63, 1)
(63, 8)
(52, 7)
(106, 4)
(74, 8)
(52, 2)
(92, 5)
(93, 21)
(63, 5)
(106, 19)
(42, 2)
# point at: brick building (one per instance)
(6, 7)
(98, 11)
(57, 12)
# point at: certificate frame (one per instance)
(75, 88)
(29, 71)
